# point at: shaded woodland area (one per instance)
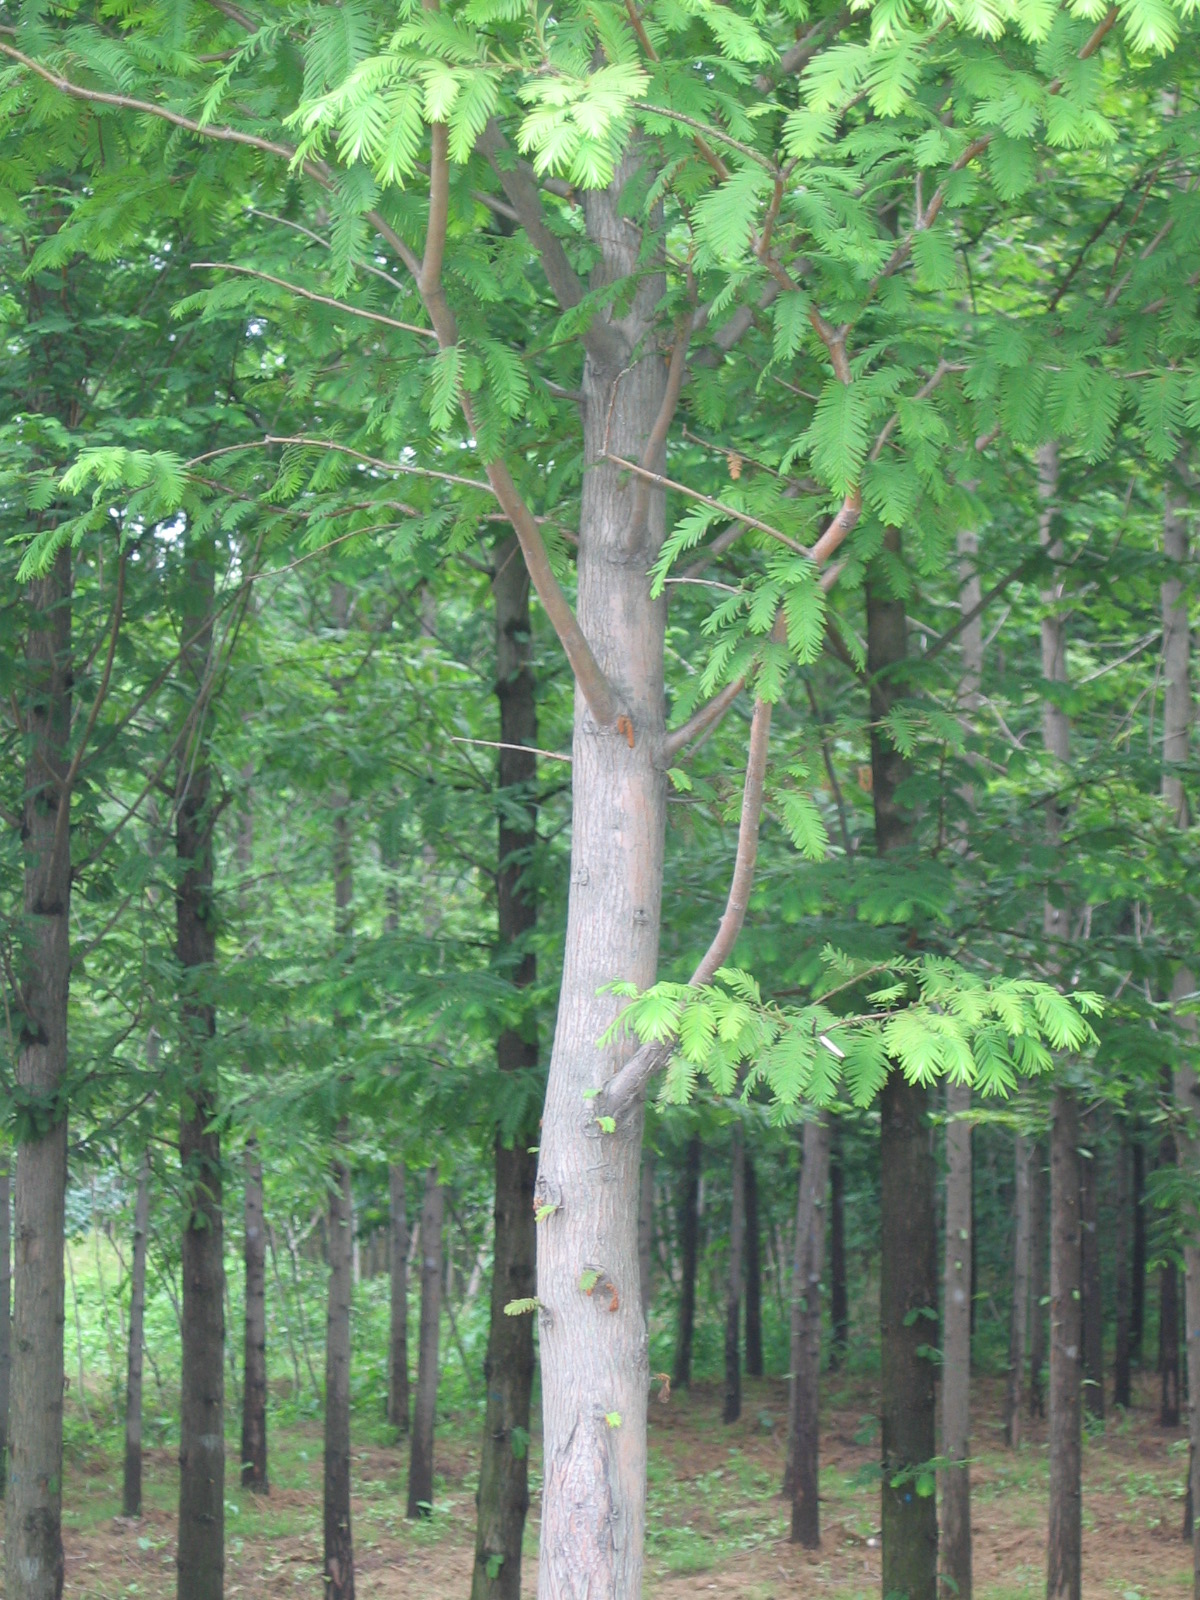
(597, 932)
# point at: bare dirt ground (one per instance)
(716, 1523)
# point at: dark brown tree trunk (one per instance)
(503, 1497)
(754, 1336)
(1137, 1289)
(1039, 1197)
(802, 1472)
(200, 1559)
(1169, 1408)
(956, 1347)
(420, 1469)
(1123, 1246)
(5, 1316)
(1092, 1306)
(731, 1409)
(908, 1292)
(131, 1498)
(689, 1249)
(1018, 1327)
(339, 1533)
(646, 1233)
(839, 1291)
(398, 1384)
(33, 1542)
(254, 1393)
(1064, 1547)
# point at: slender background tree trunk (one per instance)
(1019, 1318)
(754, 1333)
(131, 1498)
(839, 1290)
(732, 1407)
(689, 1245)
(420, 1470)
(398, 1385)
(1137, 1309)
(200, 1559)
(1092, 1306)
(802, 1473)
(1122, 1248)
(956, 1347)
(5, 1317)
(254, 1260)
(1039, 1191)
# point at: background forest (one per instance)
(597, 914)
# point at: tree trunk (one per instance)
(200, 1559)
(131, 1499)
(1137, 1295)
(1092, 1304)
(339, 1535)
(503, 1497)
(1018, 1326)
(398, 1385)
(5, 1317)
(1039, 1206)
(956, 1347)
(1064, 1548)
(595, 1371)
(754, 1338)
(1169, 1407)
(732, 1407)
(801, 1476)
(420, 1470)
(33, 1542)
(254, 1393)
(689, 1250)
(1122, 1364)
(839, 1292)
(646, 1233)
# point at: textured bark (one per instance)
(593, 1346)
(503, 1497)
(908, 1315)
(1137, 1296)
(754, 1338)
(33, 1541)
(1039, 1191)
(131, 1497)
(398, 1406)
(5, 1316)
(839, 1290)
(420, 1468)
(200, 1560)
(732, 1408)
(1123, 1245)
(339, 1533)
(802, 1472)
(1092, 1299)
(689, 1247)
(956, 1347)
(254, 1392)
(908, 1291)
(1018, 1326)
(1064, 1546)
(646, 1233)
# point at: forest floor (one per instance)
(716, 1523)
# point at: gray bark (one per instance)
(801, 1474)
(5, 1316)
(1039, 1208)
(956, 1347)
(732, 1408)
(1019, 1318)
(254, 1259)
(398, 1384)
(131, 1499)
(646, 1231)
(420, 1469)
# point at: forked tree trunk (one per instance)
(956, 1347)
(595, 1372)
(802, 1472)
(839, 1289)
(33, 1539)
(1018, 1327)
(200, 1559)
(646, 1233)
(1123, 1245)
(503, 1497)
(1092, 1303)
(689, 1248)
(1039, 1196)
(754, 1337)
(131, 1497)
(398, 1384)
(5, 1316)
(1137, 1295)
(339, 1533)
(908, 1290)
(1064, 1546)
(254, 1260)
(420, 1468)
(732, 1408)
